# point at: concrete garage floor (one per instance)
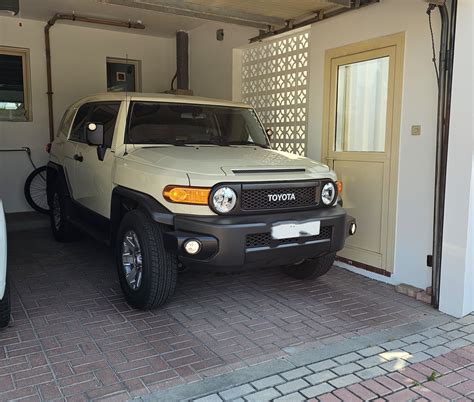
(73, 336)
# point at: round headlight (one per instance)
(224, 200)
(328, 193)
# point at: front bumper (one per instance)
(233, 243)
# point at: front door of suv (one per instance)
(92, 177)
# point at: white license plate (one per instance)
(291, 230)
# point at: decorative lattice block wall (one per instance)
(275, 82)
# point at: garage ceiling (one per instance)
(282, 9)
(157, 24)
(164, 17)
(257, 13)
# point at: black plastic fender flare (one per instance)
(123, 197)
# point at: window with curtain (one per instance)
(361, 114)
(14, 85)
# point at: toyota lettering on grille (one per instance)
(281, 197)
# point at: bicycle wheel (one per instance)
(35, 190)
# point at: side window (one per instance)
(66, 123)
(106, 114)
(78, 127)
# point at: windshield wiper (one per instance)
(191, 143)
(247, 143)
(217, 143)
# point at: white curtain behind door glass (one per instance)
(361, 114)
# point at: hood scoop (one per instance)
(268, 170)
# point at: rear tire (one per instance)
(311, 268)
(5, 307)
(62, 228)
(146, 270)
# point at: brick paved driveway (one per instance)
(434, 364)
(74, 337)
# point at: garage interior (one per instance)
(72, 334)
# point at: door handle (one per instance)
(78, 158)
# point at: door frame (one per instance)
(398, 42)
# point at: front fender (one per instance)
(151, 180)
(3, 251)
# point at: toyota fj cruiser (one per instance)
(175, 181)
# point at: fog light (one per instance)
(192, 246)
(352, 229)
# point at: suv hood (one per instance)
(225, 161)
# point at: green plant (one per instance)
(432, 376)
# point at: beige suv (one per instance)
(174, 181)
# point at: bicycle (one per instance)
(35, 185)
(35, 190)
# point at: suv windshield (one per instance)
(183, 124)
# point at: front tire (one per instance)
(311, 268)
(146, 270)
(5, 307)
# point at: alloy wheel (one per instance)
(56, 211)
(132, 262)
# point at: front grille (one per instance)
(267, 199)
(265, 239)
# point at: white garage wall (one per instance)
(79, 69)
(416, 171)
(211, 60)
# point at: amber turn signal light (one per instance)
(339, 187)
(187, 195)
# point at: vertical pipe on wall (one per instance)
(182, 59)
(49, 92)
(444, 108)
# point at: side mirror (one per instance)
(95, 134)
(269, 132)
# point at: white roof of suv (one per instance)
(159, 97)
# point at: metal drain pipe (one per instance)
(73, 17)
(446, 64)
(182, 60)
